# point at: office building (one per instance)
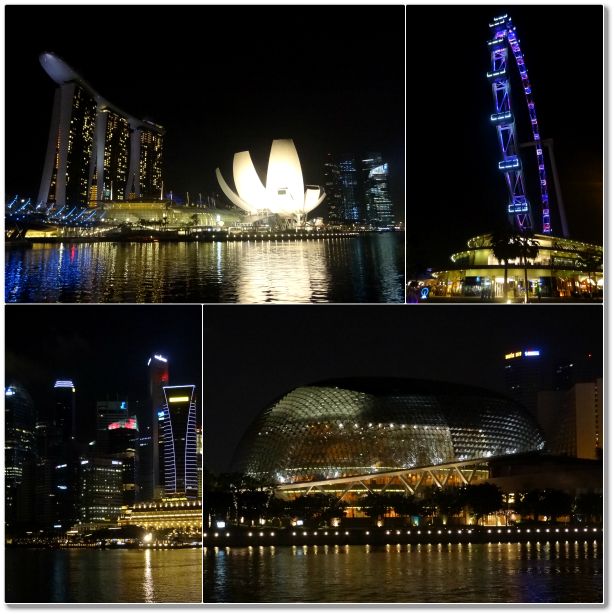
(122, 445)
(572, 419)
(332, 187)
(351, 201)
(100, 490)
(150, 434)
(524, 377)
(108, 412)
(19, 456)
(178, 422)
(378, 205)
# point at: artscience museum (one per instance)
(285, 196)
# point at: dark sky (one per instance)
(454, 189)
(254, 354)
(220, 79)
(103, 349)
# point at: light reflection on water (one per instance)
(103, 576)
(342, 270)
(424, 573)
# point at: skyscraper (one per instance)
(64, 410)
(350, 193)
(19, 455)
(378, 206)
(95, 151)
(100, 490)
(524, 377)
(332, 187)
(178, 420)
(152, 466)
(108, 412)
(122, 445)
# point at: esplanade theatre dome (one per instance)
(349, 427)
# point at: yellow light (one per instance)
(178, 399)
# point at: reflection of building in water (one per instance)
(176, 513)
(563, 267)
(283, 271)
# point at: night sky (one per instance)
(103, 349)
(220, 79)
(255, 354)
(454, 189)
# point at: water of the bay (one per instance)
(556, 572)
(365, 269)
(103, 576)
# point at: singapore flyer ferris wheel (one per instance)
(519, 208)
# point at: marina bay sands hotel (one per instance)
(96, 152)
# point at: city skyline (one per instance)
(77, 346)
(338, 99)
(341, 341)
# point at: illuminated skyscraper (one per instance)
(350, 193)
(95, 151)
(64, 409)
(152, 466)
(332, 187)
(100, 490)
(122, 445)
(524, 377)
(19, 455)
(378, 206)
(108, 412)
(178, 420)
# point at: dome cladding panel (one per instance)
(324, 432)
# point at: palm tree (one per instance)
(527, 248)
(592, 260)
(504, 249)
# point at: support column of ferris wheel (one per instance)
(519, 209)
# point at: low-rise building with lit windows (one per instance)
(178, 514)
(562, 268)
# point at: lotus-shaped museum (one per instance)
(284, 195)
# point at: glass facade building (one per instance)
(365, 426)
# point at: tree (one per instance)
(592, 261)
(503, 249)
(449, 501)
(527, 248)
(406, 505)
(507, 244)
(376, 504)
(483, 499)
(589, 507)
(556, 503)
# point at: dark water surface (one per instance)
(103, 576)
(556, 572)
(343, 270)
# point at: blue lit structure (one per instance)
(519, 208)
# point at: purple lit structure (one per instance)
(519, 208)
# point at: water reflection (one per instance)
(429, 573)
(363, 269)
(103, 576)
(148, 585)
